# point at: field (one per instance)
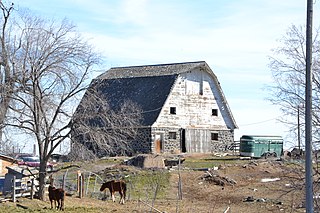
(252, 186)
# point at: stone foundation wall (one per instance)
(226, 138)
(168, 145)
(144, 143)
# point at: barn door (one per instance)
(197, 140)
(158, 142)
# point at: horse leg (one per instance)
(113, 198)
(62, 205)
(124, 195)
(112, 194)
(121, 196)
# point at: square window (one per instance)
(172, 135)
(214, 112)
(173, 110)
(214, 136)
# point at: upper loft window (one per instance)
(173, 110)
(214, 112)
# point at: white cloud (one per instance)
(134, 11)
(234, 37)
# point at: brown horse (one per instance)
(116, 186)
(56, 195)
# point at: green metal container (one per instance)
(261, 146)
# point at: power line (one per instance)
(259, 122)
(152, 110)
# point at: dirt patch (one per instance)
(265, 196)
(146, 161)
(282, 192)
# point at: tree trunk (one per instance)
(42, 180)
(1, 141)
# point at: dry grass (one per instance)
(198, 194)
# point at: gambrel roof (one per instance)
(149, 86)
(151, 70)
(149, 93)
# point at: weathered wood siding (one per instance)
(194, 109)
(194, 96)
(198, 140)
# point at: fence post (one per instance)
(14, 189)
(78, 181)
(32, 188)
(81, 184)
(179, 182)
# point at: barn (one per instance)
(183, 106)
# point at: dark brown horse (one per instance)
(56, 195)
(116, 186)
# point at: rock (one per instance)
(261, 200)
(213, 177)
(249, 199)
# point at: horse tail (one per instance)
(124, 189)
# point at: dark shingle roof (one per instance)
(149, 93)
(151, 70)
(150, 85)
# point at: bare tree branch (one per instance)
(112, 130)
(46, 66)
(288, 71)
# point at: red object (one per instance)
(32, 162)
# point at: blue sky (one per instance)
(234, 37)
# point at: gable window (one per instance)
(214, 112)
(173, 110)
(214, 136)
(172, 135)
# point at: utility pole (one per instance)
(299, 137)
(308, 115)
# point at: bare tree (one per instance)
(51, 63)
(288, 70)
(101, 129)
(7, 68)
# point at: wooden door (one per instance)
(158, 143)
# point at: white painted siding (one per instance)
(194, 95)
